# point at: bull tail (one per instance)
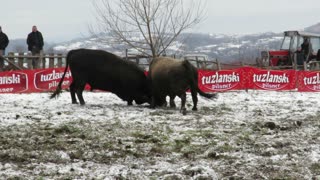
(59, 89)
(206, 95)
(193, 79)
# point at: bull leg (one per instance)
(194, 95)
(73, 93)
(158, 101)
(130, 102)
(79, 93)
(172, 104)
(183, 109)
(162, 102)
(153, 102)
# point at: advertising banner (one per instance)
(29, 81)
(14, 82)
(223, 80)
(308, 81)
(48, 79)
(273, 80)
(45, 80)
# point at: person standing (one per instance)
(306, 48)
(4, 41)
(35, 45)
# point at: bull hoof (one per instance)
(184, 111)
(164, 104)
(74, 102)
(82, 103)
(194, 109)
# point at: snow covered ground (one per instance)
(239, 135)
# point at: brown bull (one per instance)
(171, 77)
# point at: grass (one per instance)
(66, 129)
(315, 168)
(225, 147)
(207, 136)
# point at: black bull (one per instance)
(171, 77)
(105, 71)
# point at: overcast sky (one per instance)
(64, 20)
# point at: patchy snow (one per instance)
(232, 45)
(239, 135)
(74, 45)
(176, 46)
(60, 48)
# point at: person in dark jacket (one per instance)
(35, 45)
(306, 49)
(4, 41)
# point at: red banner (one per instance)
(224, 80)
(271, 79)
(48, 79)
(29, 81)
(14, 82)
(309, 81)
(43, 80)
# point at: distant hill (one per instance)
(216, 46)
(17, 45)
(224, 47)
(20, 45)
(231, 47)
(314, 28)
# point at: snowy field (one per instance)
(240, 135)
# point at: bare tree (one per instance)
(156, 23)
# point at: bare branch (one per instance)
(156, 23)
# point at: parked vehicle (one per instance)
(200, 61)
(291, 52)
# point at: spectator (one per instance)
(306, 48)
(35, 45)
(4, 41)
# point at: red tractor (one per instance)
(296, 48)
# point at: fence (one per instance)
(24, 61)
(21, 61)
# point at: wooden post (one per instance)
(20, 59)
(29, 61)
(40, 60)
(126, 54)
(305, 66)
(51, 60)
(295, 65)
(218, 64)
(59, 60)
(11, 56)
(43, 61)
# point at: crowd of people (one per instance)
(34, 41)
